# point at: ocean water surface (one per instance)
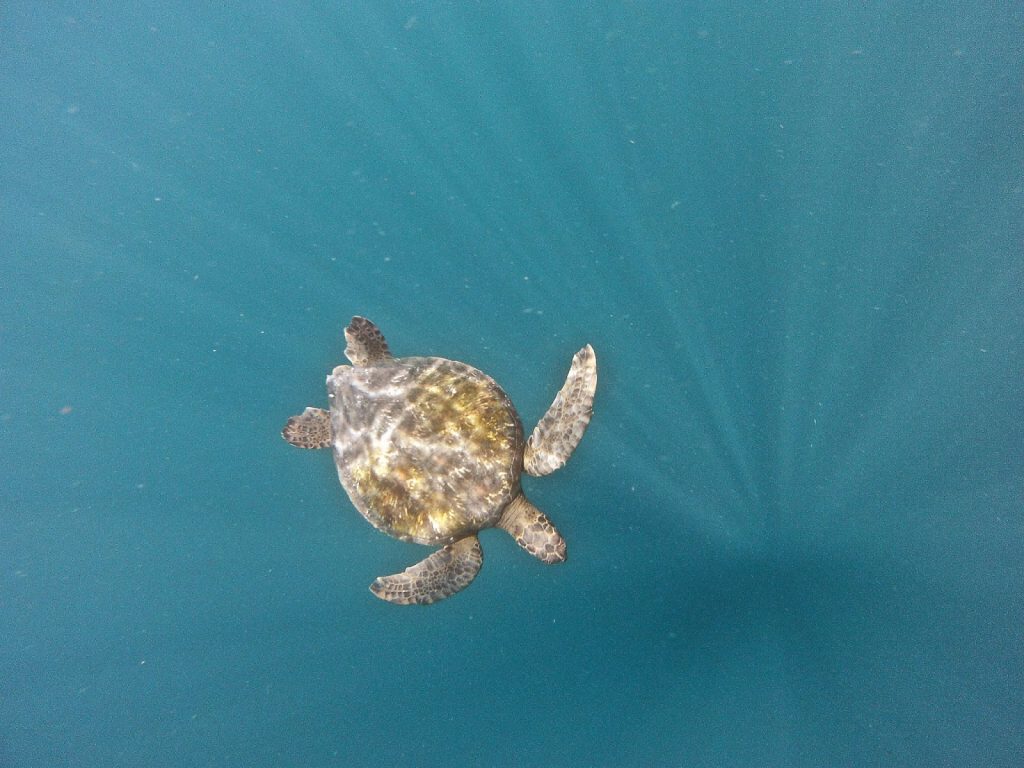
(792, 233)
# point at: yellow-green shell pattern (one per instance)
(429, 450)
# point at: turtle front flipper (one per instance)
(310, 429)
(559, 432)
(533, 531)
(439, 576)
(366, 344)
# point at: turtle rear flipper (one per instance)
(559, 432)
(310, 429)
(533, 531)
(439, 576)
(366, 344)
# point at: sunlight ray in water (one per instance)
(792, 236)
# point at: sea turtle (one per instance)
(430, 450)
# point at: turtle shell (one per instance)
(429, 450)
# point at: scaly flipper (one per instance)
(366, 344)
(533, 531)
(442, 574)
(557, 434)
(310, 429)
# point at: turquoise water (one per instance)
(793, 234)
